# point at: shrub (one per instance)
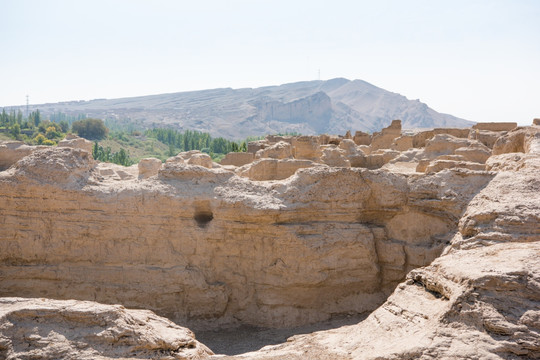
(93, 129)
(51, 133)
(44, 125)
(39, 139)
(15, 131)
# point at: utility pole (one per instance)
(27, 113)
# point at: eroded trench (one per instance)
(243, 339)
(420, 248)
(402, 240)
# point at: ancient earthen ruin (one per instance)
(434, 234)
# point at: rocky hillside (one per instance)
(313, 107)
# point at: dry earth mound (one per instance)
(70, 329)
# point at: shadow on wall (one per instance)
(248, 338)
(203, 214)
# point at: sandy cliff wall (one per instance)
(479, 300)
(206, 247)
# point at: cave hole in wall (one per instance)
(203, 214)
(203, 218)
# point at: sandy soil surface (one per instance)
(247, 338)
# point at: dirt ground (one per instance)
(245, 339)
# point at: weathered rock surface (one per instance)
(54, 166)
(444, 144)
(420, 138)
(238, 158)
(348, 146)
(204, 246)
(486, 137)
(273, 169)
(201, 159)
(438, 165)
(192, 157)
(307, 147)
(208, 248)
(403, 143)
(55, 329)
(149, 167)
(334, 156)
(362, 138)
(475, 304)
(279, 150)
(13, 151)
(479, 300)
(518, 140)
(476, 152)
(114, 172)
(77, 143)
(462, 146)
(385, 138)
(495, 126)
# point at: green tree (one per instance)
(64, 125)
(15, 131)
(45, 124)
(172, 152)
(93, 129)
(19, 117)
(27, 124)
(12, 118)
(121, 157)
(195, 140)
(4, 118)
(95, 150)
(243, 147)
(51, 133)
(35, 117)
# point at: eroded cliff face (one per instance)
(442, 242)
(206, 247)
(479, 300)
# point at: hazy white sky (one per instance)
(479, 60)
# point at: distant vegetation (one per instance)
(32, 129)
(93, 129)
(124, 145)
(121, 157)
(196, 140)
